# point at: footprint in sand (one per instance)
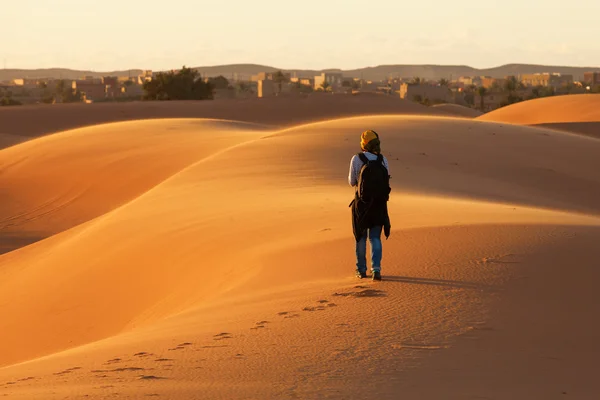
(260, 324)
(67, 371)
(29, 378)
(184, 344)
(163, 359)
(223, 336)
(143, 354)
(124, 369)
(150, 377)
(283, 313)
(292, 316)
(362, 293)
(113, 361)
(127, 369)
(177, 348)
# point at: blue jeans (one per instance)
(374, 234)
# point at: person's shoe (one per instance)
(376, 276)
(361, 275)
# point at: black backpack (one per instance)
(373, 180)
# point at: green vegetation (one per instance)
(6, 99)
(279, 78)
(417, 98)
(9, 101)
(325, 86)
(481, 91)
(299, 87)
(67, 94)
(185, 84)
(219, 82)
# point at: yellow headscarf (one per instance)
(366, 137)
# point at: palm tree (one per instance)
(279, 77)
(482, 92)
(443, 82)
(325, 86)
(511, 84)
(416, 80)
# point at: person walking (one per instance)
(369, 175)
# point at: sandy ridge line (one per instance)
(67, 132)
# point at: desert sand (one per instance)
(573, 113)
(213, 259)
(458, 110)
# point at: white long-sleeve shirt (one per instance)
(356, 164)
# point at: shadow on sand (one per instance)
(438, 282)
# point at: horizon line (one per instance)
(305, 69)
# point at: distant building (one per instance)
(147, 75)
(93, 89)
(554, 80)
(591, 78)
(113, 87)
(334, 79)
(266, 88)
(133, 90)
(261, 76)
(489, 82)
(303, 81)
(410, 91)
(465, 80)
(491, 101)
(494, 100)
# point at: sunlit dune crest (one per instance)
(458, 110)
(573, 113)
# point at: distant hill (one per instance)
(60, 73)
(371, 73)
(454, 71)
(516, 69)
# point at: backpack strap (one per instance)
(380, 158)
(363, 158)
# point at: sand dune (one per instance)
(225, 272)
(573, 113)
(458, 110)
(57, 182)
(572, 108)
(278, 111)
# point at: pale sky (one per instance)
(105, 35)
